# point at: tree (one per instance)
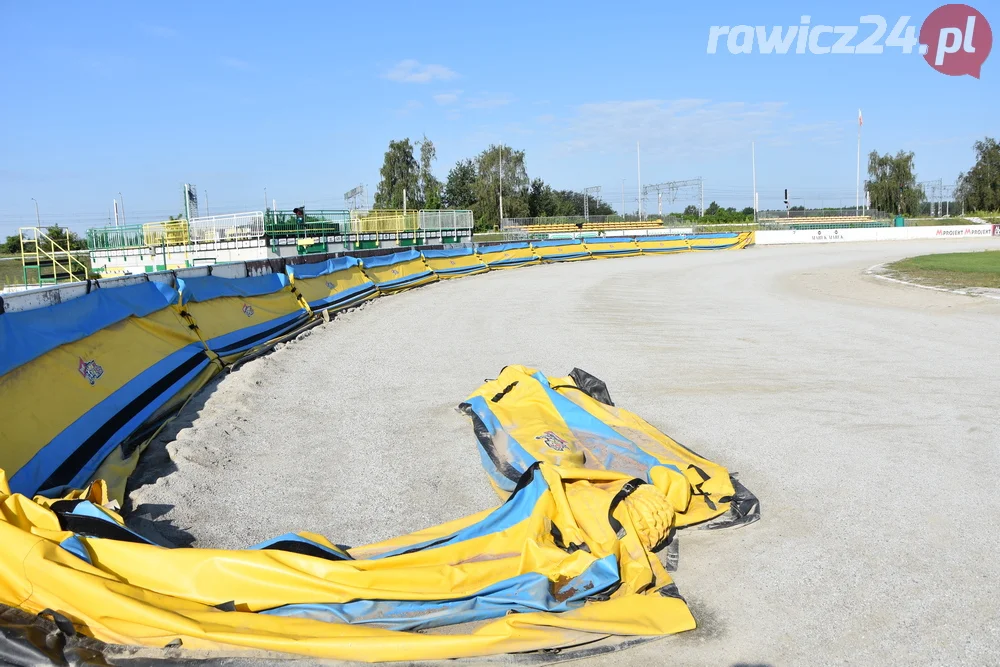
(488, 185)
(459, 188)
(748, 210)
(892, 184)
(691, 211)
(400, 172)
(544, 202)
(430, 187)
(712, 209)
(979, 188)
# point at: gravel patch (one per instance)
(858, 410)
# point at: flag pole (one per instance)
(857, 189)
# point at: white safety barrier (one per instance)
(230, 227)
(785, 236)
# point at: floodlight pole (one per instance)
(38, 219)
(501, 183)
(123, 207)
(638, 164)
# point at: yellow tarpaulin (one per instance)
(566, 559)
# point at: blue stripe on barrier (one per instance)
(518, 507)
(283, 324)
(523, 593)
(29, 479)
(346, 298)
(404, 281)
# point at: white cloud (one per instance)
(677, 127)
(159, 31)
(411, 71)
(409, 107)
(487, 101)
(445, 99)
(235, 63)
(545, 118)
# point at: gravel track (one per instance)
(863, 414)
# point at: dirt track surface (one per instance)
(863, 414)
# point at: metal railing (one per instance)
(384, 221)
(591, 222)
(845, 211)
(114, 238)
(231, 227)
(51, 261)
(286, 223)
(445, 220)
(166, 232)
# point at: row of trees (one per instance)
(893, 187)
(979, 188)
(478, 183)
(12, 245)
(474, 183)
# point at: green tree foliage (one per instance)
(488, 184)
(459, 190)
(430, 187)
(56, 233)
(691, 211)
(979, 188)
(892, 183)
(400, 171)
(712, 209)
(544, 202)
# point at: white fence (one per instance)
(781, 237)
(444, 220)
(230, 227)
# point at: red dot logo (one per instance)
(956, 40)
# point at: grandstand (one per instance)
(254, 235)
(541, 228)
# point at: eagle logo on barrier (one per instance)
(452, 262)
(395, 272)
(90, 371)
(248, 310)
(553, 441)
(329, 285)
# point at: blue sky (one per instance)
(302, 98)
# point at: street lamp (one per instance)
(38, 220)
(123, 208)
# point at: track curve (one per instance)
(856, 409)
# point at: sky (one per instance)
(132, 100)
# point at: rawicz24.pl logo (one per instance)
(954, 39)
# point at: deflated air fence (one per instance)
(89, 372)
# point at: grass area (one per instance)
(934, 222)
(487, 237)
(954, 270)
(11, 274)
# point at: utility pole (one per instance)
(123, 207)
(638, 163)
(501, 183)
(702, 182)
(38, 219)
(265, 199)
(857, 191)
(753, 159)
(208, 211)
(623, 199)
